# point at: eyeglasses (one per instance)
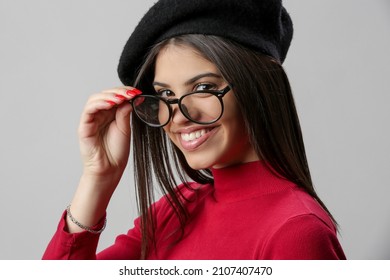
(201, 107)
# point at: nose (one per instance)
(177, 115)
(184, 109)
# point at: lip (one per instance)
(196, 143)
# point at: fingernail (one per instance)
(133, 92)
(111, 102)
(120, 97)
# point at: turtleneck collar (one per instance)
(245, 181)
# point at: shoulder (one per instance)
(301, 229)
(295, 202)
(304, 236)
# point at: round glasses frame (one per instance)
(169, 102)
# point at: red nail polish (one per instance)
(120, 97)
(111, 102)
(133, 92)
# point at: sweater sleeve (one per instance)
(126, 246)
(83, 245)
(305, 237)
(77, 246)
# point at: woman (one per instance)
(213, 114)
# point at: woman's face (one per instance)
(180, 70)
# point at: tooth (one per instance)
(194, 135)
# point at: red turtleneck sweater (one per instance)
(248, 213)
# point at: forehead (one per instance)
(181, 62)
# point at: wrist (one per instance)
(89, 203)
(72, 222)
(100, 182)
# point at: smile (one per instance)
(191, 141)
(194, 135)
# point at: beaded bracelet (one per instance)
(89, 229)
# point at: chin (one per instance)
(199, 164)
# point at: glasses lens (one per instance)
(151, 110)
(201, 107)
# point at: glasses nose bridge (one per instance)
(173, 101)
(178, 112)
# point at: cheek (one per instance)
(163, 114)
(203, 109)
(170, 135)
(232, 112)
(234, 123)
(166, 129)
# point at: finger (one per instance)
(111, 97)
(123, 88)
(125, 92)
(107, 100)
(123, 118)
(95, 116)
(95, 106)
(115, 96)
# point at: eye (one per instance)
(204, 86)
(165, 93)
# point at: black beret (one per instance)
(262, 25)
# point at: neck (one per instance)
(245, 181)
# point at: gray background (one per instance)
(54, 54)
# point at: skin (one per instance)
(104, 137)
(104, 131)
(226, 141)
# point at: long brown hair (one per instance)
(266, 102)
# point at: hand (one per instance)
(104, 133)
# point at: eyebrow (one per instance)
(192, 80)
